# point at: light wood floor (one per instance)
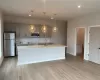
(70, 69)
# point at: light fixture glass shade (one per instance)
(55, 29)
(44, 29)
(32, 28)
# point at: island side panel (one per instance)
(29, 55)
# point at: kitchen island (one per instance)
(39, 53)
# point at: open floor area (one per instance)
(49, 39)
(73, 68)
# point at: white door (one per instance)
(94, 44)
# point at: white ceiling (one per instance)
(64, 9)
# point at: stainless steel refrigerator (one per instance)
(9, 44)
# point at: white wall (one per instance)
(59, 37)
(84, 21)
(1, 38)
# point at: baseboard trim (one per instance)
(31, 62)
(71, 54)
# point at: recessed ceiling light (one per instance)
(29, 15)
(79, 6)
(52, 18)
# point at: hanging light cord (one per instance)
(44, 5)
(44, 21)
(55, 20)
(45, 32)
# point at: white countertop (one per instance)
(40, 46)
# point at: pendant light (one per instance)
(44, 27)
(54, 29)
(31, 13)
(32, 28)
(55, 26)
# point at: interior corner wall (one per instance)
(66, 31)
(1, 38)
(84, 21)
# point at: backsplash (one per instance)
(33, 40)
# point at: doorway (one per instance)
(80, 35)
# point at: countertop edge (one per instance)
(40, 46)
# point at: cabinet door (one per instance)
(49, 32)
(10, 27)
(41, 33)
(24, 31)
(17, 32)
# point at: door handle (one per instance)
(98, 48)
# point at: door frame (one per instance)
(89, 37)
(76, 39)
